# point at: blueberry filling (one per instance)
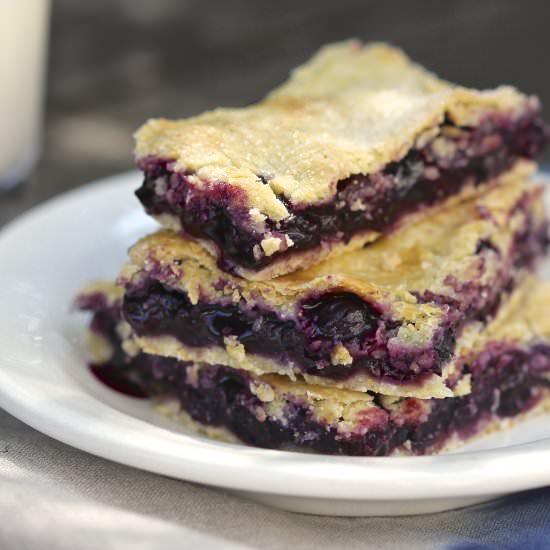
(157, 311)
(340, 318)
(132, 381)
(153, 309)
(375, 202)
(506, 381)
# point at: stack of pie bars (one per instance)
(345, 267)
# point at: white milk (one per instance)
(23, 41)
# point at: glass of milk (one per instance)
(23, 44)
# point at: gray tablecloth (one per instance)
(55, 497)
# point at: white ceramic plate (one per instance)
(50, 253)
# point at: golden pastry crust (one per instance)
(351, 110)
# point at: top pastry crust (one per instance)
(350, 110)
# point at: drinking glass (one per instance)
(23, 45)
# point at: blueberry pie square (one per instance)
(359, 141)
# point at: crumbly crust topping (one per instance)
(341, 356)
(350, 110)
